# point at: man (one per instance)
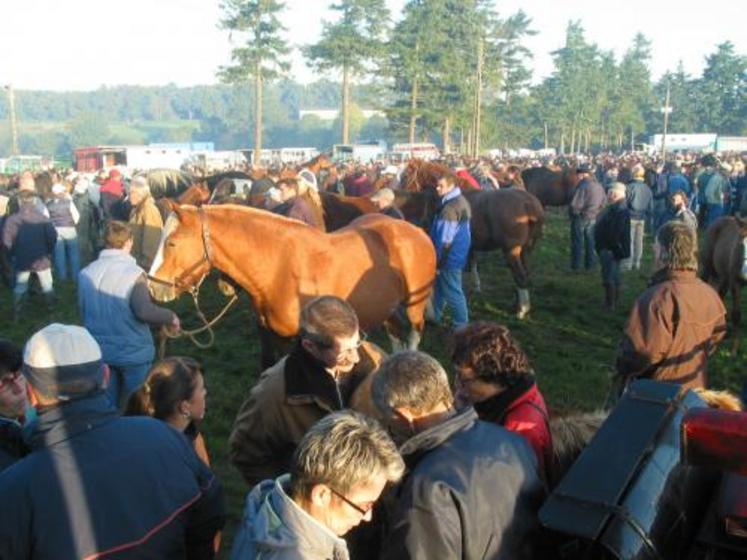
(384, 200)
(677, 182)
(116, 309)
(640, 202)
(680, 211)
(146, 223)
(586, 202)
(612, 242)
(97, 485)
(472, 489)
(30, 238)
(338, 472)
(110, 194)
(677, 323)
(322, 374)
(452, 238)
(713, 187)
(13, 404)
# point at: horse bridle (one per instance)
(207, 257)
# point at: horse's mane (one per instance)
(570, 434)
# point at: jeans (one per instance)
(610, 268)
(125, 380)
(714, 212)
(582, 242)
(449, 291)
(66, 250)
(22, 281)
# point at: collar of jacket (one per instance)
(451, 195)
(665, 275)
(496, 407)
(420, 444)
(63, 422)
(307, 381)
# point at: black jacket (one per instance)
(12, 445)
(96, 484)
(472, 493)
(612, 230)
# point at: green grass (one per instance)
(571, 342)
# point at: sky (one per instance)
(84, 44)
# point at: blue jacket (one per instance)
(677, 182)
(99, 484)
(471, 491)
(104, 290)
(450, 231)
(30, 238)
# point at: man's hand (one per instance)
(175, 326)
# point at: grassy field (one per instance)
(571, 342)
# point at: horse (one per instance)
(340, 210)
(722, 263)
(196, 195)
(168, 182)
(507, 219)
(551, 187)
(384, 268)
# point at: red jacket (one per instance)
(112, 186)
(528, 416)
(467, 176)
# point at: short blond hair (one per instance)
(343, 450)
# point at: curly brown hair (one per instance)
(491, 352)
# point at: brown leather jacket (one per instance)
(672, 329)
(286, 401)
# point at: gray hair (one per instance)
(140, 184)
(342, 450)
(412, 380)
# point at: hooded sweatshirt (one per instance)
(274, 527)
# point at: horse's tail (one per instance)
(536, 215)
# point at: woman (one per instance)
(64, 216)
(492, 373)
(300, 201)
(174, 392)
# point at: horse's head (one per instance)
(183, 257)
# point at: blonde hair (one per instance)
(342, 450)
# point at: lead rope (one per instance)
(191, 333)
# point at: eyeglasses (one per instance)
(9, 379)
(363, 511)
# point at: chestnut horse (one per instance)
(385, 268)
(507, 219)
(722, 264)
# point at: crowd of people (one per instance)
(346, 452)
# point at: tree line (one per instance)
(449, 71)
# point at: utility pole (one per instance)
(666, 110)
(13, 124)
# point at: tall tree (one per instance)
(722, 91)
(262, 56)
(350, 44)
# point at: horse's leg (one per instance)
(736, 314)
(514, 260)
(472, 265)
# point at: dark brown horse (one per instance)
(383, 267)
(196, 195)
(340, 210)
(722, 265)
(507, 219)
(552, 187)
